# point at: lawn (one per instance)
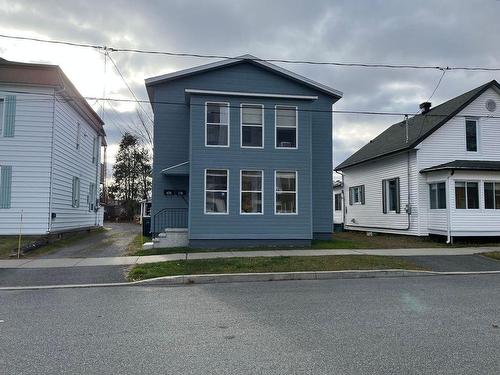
(493, 255)
(268, 264)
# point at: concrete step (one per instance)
(172, 237)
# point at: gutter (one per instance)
(449, 239)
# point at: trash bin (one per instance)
(146, 226)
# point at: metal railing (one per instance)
(169, 218)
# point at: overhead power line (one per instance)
(272, 60)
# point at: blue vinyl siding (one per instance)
(179, 136)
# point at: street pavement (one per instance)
(431, 325)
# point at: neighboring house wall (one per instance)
(70, 161)
(338, 217)
(28, 153)
(370, 216)
(313, 158)
(447, 144)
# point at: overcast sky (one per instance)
(444, 33)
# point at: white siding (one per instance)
(337, 215)
(448, 144)
(71, 162)
(28, 152)
(369, 216)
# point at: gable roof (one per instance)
(18, 73)
(393, 139)
(238, 60)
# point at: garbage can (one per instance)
(146, 226)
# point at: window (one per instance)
(5, 186)
(92, 197)
(357, 195)
(285, 192)
(390, 195)
(251, 192)
(471, 135)
(75, 202)
(466, 195)
(95, 150)
(217, 124)
(492, 195)
(216, 191)
(338, 202)
(252, 125)
(78, 135)
(437, 195)
(2, 114)
(286, 127)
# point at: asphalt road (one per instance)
(431, 325)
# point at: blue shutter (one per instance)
(5, 186)
(9, 116)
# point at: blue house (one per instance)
(242, 156)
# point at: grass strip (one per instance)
(268, 264)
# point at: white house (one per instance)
(437, 173)
(50, 147)
(338, 204)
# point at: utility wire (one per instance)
(275, 60)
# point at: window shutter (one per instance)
(9, 116)
(362, 194)
(5, 186)
(350, 196)
(384, 194)
(398, 199)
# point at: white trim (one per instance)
(205, 192)
(296, 193)
(290, 127)
(241, 124)
(220, 124)
(253, 191)
(437, 195)
(250, 94)
(466, 181)
(494, 182)
(174, 166)
(478, 147)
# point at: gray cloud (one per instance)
(426, 32)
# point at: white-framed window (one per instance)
(492, 195)
(2, 114)
(286, 126)
(75, 195)
(78, 135)
(92, 197)
(437, 195)
(471, 135)
(390, 195)
(338, 202)
(251, 192)
(285, 192)
(357, 195)
(467, 195)
(95, 150)
(252, 125)
(216, 191)
(217, 124)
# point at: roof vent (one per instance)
(425, 107)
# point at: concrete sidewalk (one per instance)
(132, 260)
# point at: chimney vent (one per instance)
(425, 107)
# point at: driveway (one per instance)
(112, 242)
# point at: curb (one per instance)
(256, 277)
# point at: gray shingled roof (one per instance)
(393, 139)
(467, 165)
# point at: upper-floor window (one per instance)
(357, 195)
(217, 124)
(437, 195)
(78, 135)
(338, 202)
(251, 192)
(252, 125)
(75, 200)
(492, 195)
(286, 126)
(390, 195)
(2, 106)
(466, 195)
(285, 187)
(471, 135)
(95, 150)
(216, 191)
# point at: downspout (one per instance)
(342, 196)
(51, 172)
(449, 239)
